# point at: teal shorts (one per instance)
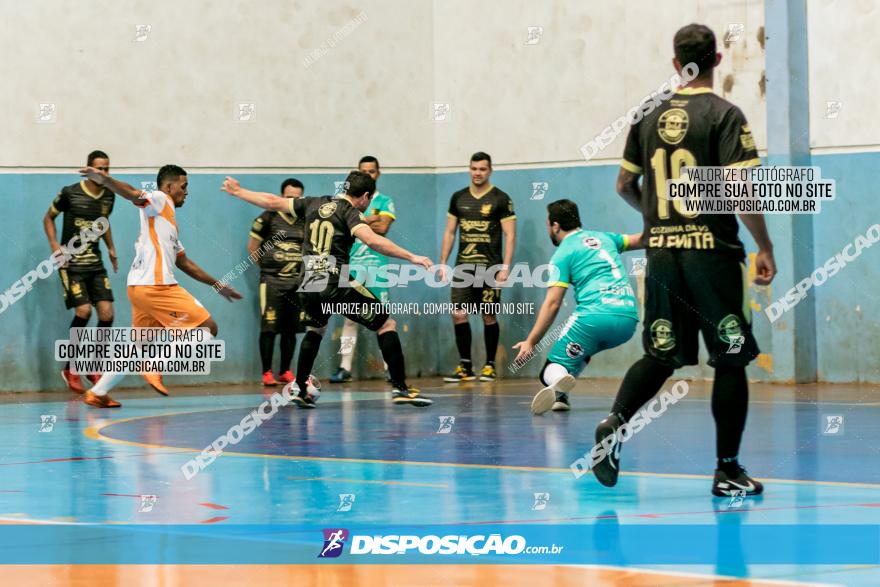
(584, 336)
(376, 286)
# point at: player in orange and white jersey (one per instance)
(157, 299)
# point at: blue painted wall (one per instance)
(214, 229)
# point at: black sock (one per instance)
(730, 404)
(463, 342)
(308, 351)
(392, 353)
(288, 346)
(491, 332)
(642, 382)
(267, 345)
(105, 323)
(77, 322)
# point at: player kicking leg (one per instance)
(695, 280)
(589, 263)
(157, 299)
(332, 224)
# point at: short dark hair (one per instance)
(96, 154)
(168, 173)
(481, 156)
(292, 182)
(368, 159)
(695, 43)
(359, 182)
(565, 213)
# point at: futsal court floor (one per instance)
(91, 468)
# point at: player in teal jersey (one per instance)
(606, 315)
(365, 262)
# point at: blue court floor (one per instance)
(358, 461)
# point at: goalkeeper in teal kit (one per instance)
(589, 263)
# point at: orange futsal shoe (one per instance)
(100, 401)
(73, 382)
(269, 379)
(155, 381)
(93, 377)
(286, 377)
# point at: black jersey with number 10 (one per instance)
(694, 128)
(330, 224)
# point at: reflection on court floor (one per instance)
(477, 458)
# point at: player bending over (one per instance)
(606, 315)
(332, 224)
(695, 276)
(157, 300)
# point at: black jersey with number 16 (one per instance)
(694, 128)
(330, 224)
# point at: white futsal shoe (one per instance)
(546, 398)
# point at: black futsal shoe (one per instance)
(402, 395)
(740, 484)
(608, 468)
(303, 400)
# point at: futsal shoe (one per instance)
(286, 377)
(488, 373)
(548, 397)
(155, 381)
(93, 377)
(302, 399)
(727, 486)
(561, 404)
(608, 468)
(341, 376)
(409, 396)
(73, 382)
(269, 379)
(100, 401)
(461, 374)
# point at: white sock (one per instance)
(350, 330)
(107, 382)
(553, 372)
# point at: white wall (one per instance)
(173, 97)
(843, 50)
(540, 103)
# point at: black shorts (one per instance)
(478, 294)
(690, 291)
(360, 304)
(280, 307)
(85, 287)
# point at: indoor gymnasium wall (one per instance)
(846, 145)
(531, 106)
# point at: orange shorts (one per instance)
(168, 306)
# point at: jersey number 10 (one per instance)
(678, 159)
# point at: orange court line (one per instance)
(357, 575)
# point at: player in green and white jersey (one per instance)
(606, 315)
(365, 261)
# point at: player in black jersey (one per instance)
(276, 240)
(695, 276)
(482, 214)
(84, 277)
(332, 223)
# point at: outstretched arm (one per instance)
(116, 186)
(189, 267)
(546, 316)
(261, 199)
(380, 244)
